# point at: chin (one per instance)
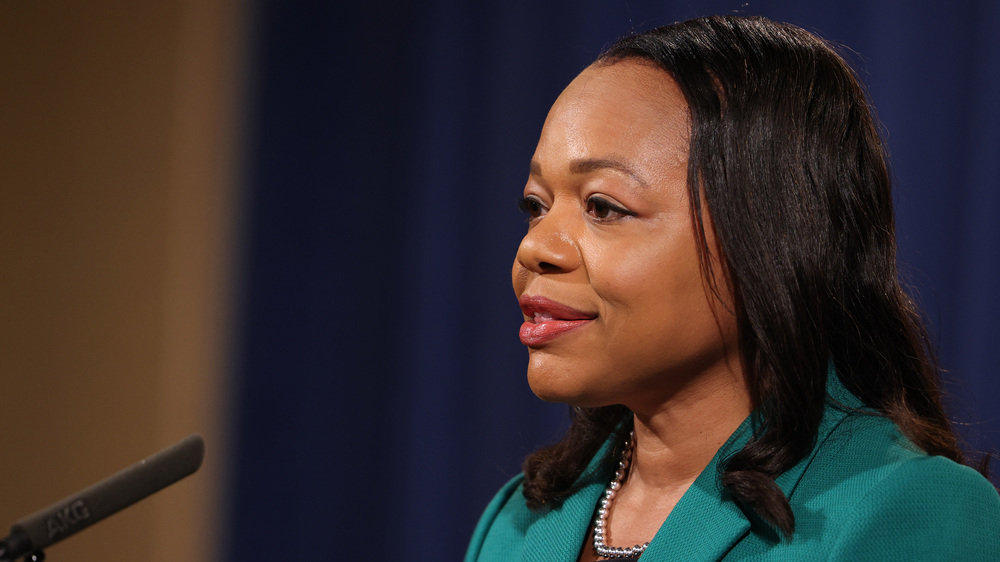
(554, 379)
(564, 390)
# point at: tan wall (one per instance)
(116, 196)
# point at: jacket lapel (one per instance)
(558, 534)
(839, 404)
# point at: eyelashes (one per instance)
(604, 210)
(531, 206)
(599, 208)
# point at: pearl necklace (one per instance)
(600, 523)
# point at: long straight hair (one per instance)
(786, 158)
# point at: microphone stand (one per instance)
(33, 557)
(37, 556)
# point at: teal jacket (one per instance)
(865, 492)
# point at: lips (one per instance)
(548, 319)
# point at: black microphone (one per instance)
(81, 510)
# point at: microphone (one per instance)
(81, 510)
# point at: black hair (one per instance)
(786, 157)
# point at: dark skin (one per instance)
(611, 235)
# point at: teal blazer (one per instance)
(865, 492)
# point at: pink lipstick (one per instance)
(548, 319)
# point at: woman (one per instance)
(709, 279)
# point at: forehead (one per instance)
(629, 109)
(639, 79)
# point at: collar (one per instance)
(557, 534)
(704, 524)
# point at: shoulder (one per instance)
(928, 506)
(870, 493)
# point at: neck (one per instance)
(675, 441)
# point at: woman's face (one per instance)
(608, 275)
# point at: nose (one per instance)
(550, 245)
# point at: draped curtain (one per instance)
(379, 392)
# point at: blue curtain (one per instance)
(379, 388)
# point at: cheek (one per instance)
(656, 291)
(641, 275)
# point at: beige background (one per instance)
(117, 166)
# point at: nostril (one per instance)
(548, 267)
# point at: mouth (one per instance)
(546, 319)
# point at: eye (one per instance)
(531, 206)
(604, 210)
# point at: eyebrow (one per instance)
(587, 165)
